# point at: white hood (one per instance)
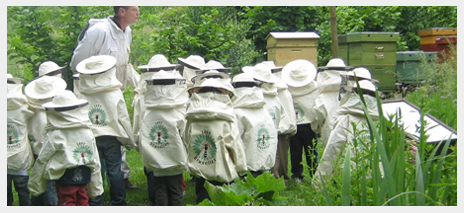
(107, 81)
(246, 97)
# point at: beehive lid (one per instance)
(415, 56)
(438, 31)
(293, 35)
(369, 37)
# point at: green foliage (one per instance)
(438, 93)
(392, 170)
(260, 191)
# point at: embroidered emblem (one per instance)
(159, 135)
(97, 115)
(12, 135)
(204, 148)
(262, 141)
(82, 153)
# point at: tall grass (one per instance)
(393, 170)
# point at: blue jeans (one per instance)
(20, 185)
(48, 198)
(109, 150)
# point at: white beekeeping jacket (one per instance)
(19, 150)
(106, 38)
(303, 101)
(288, 124)
(161, 147)
(256, 128)
(327, 103)
(273, 105)
(342, 133)
(38, 121)
(107, 107)
(69, 143)
(137, 105)
(214, 147)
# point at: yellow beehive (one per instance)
(283, 47)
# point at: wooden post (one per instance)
(333, 30)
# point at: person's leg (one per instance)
(66, 194)
(280, 168)
(126, 170)
(9, 187)
(200, 189)
(20, 183)
(112, 156)
(150, 186)
(296, 152)
(49, 197)
(175, 190)
(161, 191)
(81, 196)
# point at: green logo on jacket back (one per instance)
(82, 154)
(98, 115)
(262, 141)
(12, 136)
(159, 135)
(205, 148)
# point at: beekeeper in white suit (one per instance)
(328, 82)
(190, 65)
(157, 62)
(161, 148)
(39, 92)
(255, 125)
(109, 116)
(287, 125)
(349, 80)
(19, 152)
(69, 154)
(342, 134)
(214, 147)
(300, 75)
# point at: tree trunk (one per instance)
(333, 30)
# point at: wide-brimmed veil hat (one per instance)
(13, 80)
(213, 65)
(361, 73)
(336, 63)
(193, 62)
(244, 80)
(65, 99)
(96, 64)
(261, 72)
(299, 73)
(49, 68)
(214, 83)
(365, 85)
(159, 62)
(165, 77)
(273, 67)
(210, 74)
(44, 87)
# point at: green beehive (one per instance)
(414, 66)
(373, 50)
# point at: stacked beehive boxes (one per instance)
(283, 47)
(375, 51)
(413, 66)
(440, 40)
